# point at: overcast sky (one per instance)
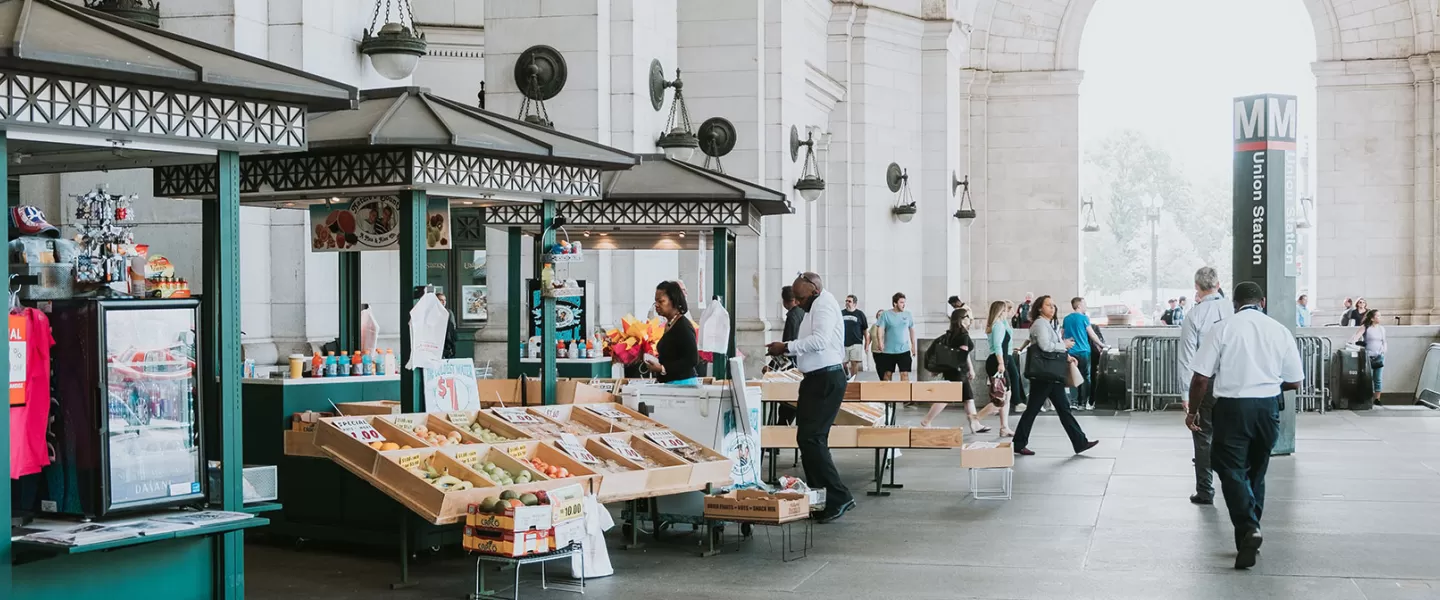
(1171, 68)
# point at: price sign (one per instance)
(623, 448)
(405, 422)
(572, 446)
(606, 410)
(358, 428)
(469, 458)
(551, 412)
(604, 385)
(459, 418)
(665, 439)
(568, 502)
(517, 415)
(518, 452)
(410, 461)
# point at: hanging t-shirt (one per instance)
(28, 453)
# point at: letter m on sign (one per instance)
(1281, 122)
(1249, 116)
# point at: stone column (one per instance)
(1423, 69)
(943, 49)
(974, 100)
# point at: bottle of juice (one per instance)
(391, 366)
(331, 366)
(342, 364)
(573, 351)
(357, 365)
(317, 365)
(367, 364)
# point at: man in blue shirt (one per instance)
(1077, 327)
(1302, 311)
(897, 341)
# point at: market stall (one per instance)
(134, 96)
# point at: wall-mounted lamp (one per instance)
(898, 180)
(678, 141)
(966, 213)
(540, 73)
(1087, 213)
(1305, 219)
(717, 138)
(394, 49)
(810, 185)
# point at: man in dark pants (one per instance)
(1252, 359)
(1210, 308)
(819, 352)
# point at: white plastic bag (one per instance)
(714, 328)
(597, 556)
(428, 320)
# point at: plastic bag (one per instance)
(597, 555)
(428, 320)
(714, 328)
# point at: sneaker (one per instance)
(1020, 408)
(829, 516)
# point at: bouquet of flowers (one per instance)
(634, 339)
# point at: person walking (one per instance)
(1081, 332)
(1045, 338)
(1210, 308)
(1371, 336)
(898, 329)
(955, 303)
(1180, 310)
(1018, 391)
(819, 351)
(857, 335)
(1345, 312)
(1302, 311)
(876, 344)
(958, 338)
(1022, 312)
(1356, 315)
(677, 354)
(1249, 359)
(1001, 362)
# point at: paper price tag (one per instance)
(568, 502)
(406, 422)
(665, 439)
(603, 385)
(358, 428)
(607, 411)
(551, 412)
(410, 461)
(459, 418)
(518, 452)
(469, 458)
(572, 446)
(622, 447)
(517, 415)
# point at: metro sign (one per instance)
(1265, 130)
(1275, 113)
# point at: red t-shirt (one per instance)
(28, 453)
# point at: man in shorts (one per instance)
(857, 334)
(897, 347)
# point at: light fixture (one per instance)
(540, 74)
(810, 185)
(587, 234)
(1087, 213)
(394, 49)
(717, 138)
(681, 234)
(966, 213)
(1304, 220)
(467, 202)
(145, 12)
(678, 140)
(898, 180)
(289, 204)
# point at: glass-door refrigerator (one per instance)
(127, 428)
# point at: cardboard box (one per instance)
(999, 457)
(882, 437)
(937, 391)
(567, 391)
(783, 436)
(374, 407)
(565, 533)
(878, 391)
(515, 518)
(752, 505)
(779, 390)
(299, 443)
(936, 437)
(506, 543)
(494, 392)
(305, 421)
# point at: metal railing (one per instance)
(1154, 378)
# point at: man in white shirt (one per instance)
(1210, 308)
(1251, 359)
(819, 352)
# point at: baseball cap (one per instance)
(29, 220)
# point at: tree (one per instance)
(1122, 172)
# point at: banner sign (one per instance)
(373, 223)
(451, 386)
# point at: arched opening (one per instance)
(1156, 134)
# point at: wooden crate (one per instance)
(703, 472)
(779, 390)
(937, 391)
(392, 469)
(783, 436)
(373, 407)
(882, 437)
(302, 443)
(878, 391)
(616, 485)
(500, 426)
(497, 392)
(935, 437)
(576, 420)
(674, 471)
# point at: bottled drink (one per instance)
(573, 351)
(357, 367)
(332, 365)
(368, 364)
(317, 365)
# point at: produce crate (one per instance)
(673, 471)
(935, 437)
(972, 456)
(633, 420)
(498, 392)
(541, 429)
(506, 544)
(716, 470)
(549, 453)
(567, 391)
(373, 407)
(882, 437)
(937, 391)
(756, 506)
(393, 469)
(356, 455)
(298, 443)
(514, 518)
(616, 485)
(489, 421)
(878, 391)
(576, 420)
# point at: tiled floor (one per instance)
(1353, 515)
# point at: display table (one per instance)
(598, 367)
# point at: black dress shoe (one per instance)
(1202, 499)
(1249, 549)
(829, 516)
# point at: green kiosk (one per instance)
(399, 162)
(83, 91)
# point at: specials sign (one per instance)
(1265, 131)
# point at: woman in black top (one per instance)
(958, 339)
(677, 353)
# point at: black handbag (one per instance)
(1049, 367)
(941, 357)
(1377, 361)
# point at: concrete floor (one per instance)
(1354, 515)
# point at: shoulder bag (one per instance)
(1049, 367)
(940, 357)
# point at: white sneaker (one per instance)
(1020, 408)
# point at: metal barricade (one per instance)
(1315, 357)
(1154, 373)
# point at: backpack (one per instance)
(940, 357)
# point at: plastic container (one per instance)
(297, 366)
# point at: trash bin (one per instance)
(1353, 374)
